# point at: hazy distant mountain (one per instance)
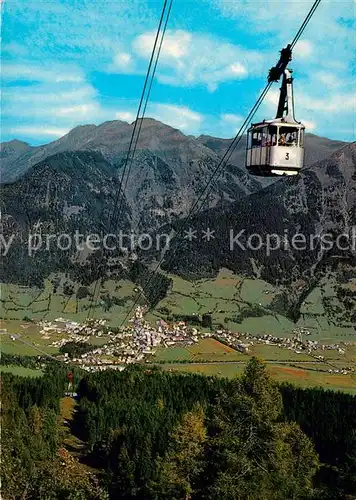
(112, 140)
(76, 191)
(169, 169)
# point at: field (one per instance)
(58, 299)
(247, 306)
(206, 350)
(275, 353)
(21, 371)
(29, 333)
(219, 369)
(234, 302)
(313, 378)
(243, 305)
(297, 376)
(210, 357)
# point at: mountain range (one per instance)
(72, 184)
(112, 139)
(168, 170)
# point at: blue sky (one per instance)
(72, 62)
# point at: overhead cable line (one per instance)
(227, 155)
(135, 136)
(305, 23)
(147, 97)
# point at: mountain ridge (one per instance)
(76, 190)
(112, 138)
(168, 170)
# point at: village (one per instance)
(139, 341)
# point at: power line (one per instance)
(225, 158)
(134, 138)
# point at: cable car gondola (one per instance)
(276, 147)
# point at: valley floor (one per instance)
(248, 308)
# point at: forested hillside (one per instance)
(150, 434)
(256, 237)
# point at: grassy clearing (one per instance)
(317, 366)
(21, 371)
(14, 347)
(297, 376)
(28, 332)
(220, 369)
(205, 350)
(211, 357)
(273, 352)
(172, 354)
(234, 302)
(271, 324)
(212, 350)
(309, 378)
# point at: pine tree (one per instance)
(252, 455)
(183, 462)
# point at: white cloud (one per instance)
(310, 126)
(303, 49)
(126, 116)
(123, 61)
(188, 120)
(82, 110)
(189, 59)
(225, 125)
(180, 117)
(176, 44)
(332, 104)
(316, 111)
(52, 73)
(63, 100)
(328, 79)
(14, 49)
(326, 40)
(323, 60)
(51, 107)
(83, 31)
(47, 94)
(39, 131)
(306, 101)
(99, 39)
(231, 118)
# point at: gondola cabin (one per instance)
(275, 148)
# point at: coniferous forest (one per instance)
(151, 434)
